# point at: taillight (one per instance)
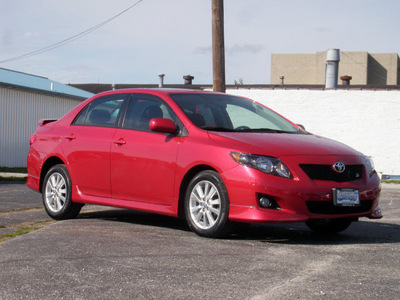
(32, 139)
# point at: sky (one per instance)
(174, 36)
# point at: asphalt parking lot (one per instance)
(109, 253)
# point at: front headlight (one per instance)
(266, 164)
(369, 165)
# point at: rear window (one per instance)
(102, 112)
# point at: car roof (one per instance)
(156, 91)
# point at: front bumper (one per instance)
(298, 199)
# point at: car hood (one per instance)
(282, 144)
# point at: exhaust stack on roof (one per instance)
(332, 68)
(161, 80)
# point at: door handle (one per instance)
(70, 137)
(120, 142)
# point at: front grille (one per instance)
(327, 207)
(325, 172)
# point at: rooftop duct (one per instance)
(332, 68)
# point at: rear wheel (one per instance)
(328, 226)
(56, 194)
(207, 205)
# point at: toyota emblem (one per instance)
(338, 167)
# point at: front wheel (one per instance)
(328, 226)
(207, 205)
(56, 194)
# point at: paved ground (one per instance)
(109, 253)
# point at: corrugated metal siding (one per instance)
(19, 113)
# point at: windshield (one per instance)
(231, 113)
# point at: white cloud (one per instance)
(203, 50)
(32, 34)
(243, 49)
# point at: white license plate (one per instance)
(346, 197)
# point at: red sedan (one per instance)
(212, 158)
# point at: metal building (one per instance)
(24, 100)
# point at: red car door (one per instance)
(87, 145)
(143, 163)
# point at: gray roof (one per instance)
(40, 84)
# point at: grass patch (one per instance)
(24, 229)
(20, 231)
(45, 222)
(13, 170)
(12, 178)
(22, 209)
(391, 181)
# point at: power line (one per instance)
(70, 39)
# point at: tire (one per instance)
(328, 226)
(207, 205)
(56, 194)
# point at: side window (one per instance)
(142, 109)
(204, 115)
(102, 112)
(80, 119)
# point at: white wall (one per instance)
(368, 121)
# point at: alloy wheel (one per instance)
(205, 204)
(56, 192)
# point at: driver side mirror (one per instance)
(301, 126)
(162, 125)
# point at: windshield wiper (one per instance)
(224, 129)
(267, 130)
(257, 130)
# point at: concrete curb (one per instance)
(18, 178)
(7, 174)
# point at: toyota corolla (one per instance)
(212, 158)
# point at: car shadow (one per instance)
(136, 217)
(361, 232)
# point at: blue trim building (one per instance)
(25, 99)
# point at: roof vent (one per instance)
(332, 68)
(188, 79)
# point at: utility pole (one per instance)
(218, 46)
